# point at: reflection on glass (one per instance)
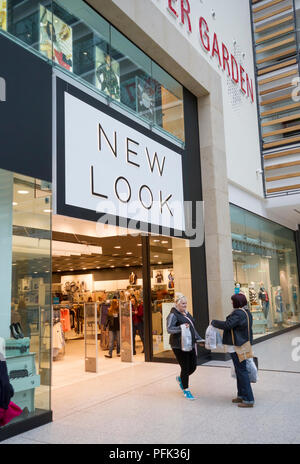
(170, 273)
(28, 205)
(265, 270)
(74, 37)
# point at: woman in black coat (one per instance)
(240, 322)
(186, 359)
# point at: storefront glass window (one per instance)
(170, 273)
(265, 270)
(74, 37)
(25, 269)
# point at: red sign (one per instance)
(211, 44)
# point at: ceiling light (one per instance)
(156, 241)
(84, 268)
(23, 192)
(117, 246)
(112, 266)
(156, 256)
(129, 253)
(58, 270)
(170, 249)
(98, 267)
(127, 265)
(164, 241)
(47, 210)
(159, 262)
(139, 244)
(15, 203)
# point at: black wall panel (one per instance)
(26, 115)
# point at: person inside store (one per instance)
(113, 325)
(239, 322)
(137, 321)
(186, 359)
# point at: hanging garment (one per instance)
(58, 337)
(65, 319)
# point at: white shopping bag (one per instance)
(186, 338)
(212, 338)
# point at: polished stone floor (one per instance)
(142, 403)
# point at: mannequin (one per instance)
(171, 280)
(237, 288)
(159, 277)
(132, 278)
(264, 298)
(278, 303)
(252, 295)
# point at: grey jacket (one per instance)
(174, 321)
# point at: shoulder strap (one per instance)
(248, 325)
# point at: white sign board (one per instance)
(114, 169)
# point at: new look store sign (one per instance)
(114, 169)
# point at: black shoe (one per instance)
(108, 356)
(18, 329)
(14, 332)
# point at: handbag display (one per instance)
(244, 351)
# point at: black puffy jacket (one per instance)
(238, 322)
(6, 389)
(174, 321)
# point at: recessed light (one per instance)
(47, 210)
(84, 268)
(164, 241)
(139, 244)
(170, 249)
(156, 256)
(15, 203)
(117, 246)
(98, 267)
(58, 270)
(156, 241)
(127, 265)
(115, 254)
(159, 262)
(129, 253)
(71, 270)
(23, 192)
(112, 266)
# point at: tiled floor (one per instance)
(142, 403)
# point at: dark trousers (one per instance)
(138, 328)
(188, 363)
(244, 389)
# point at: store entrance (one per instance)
(102, 266)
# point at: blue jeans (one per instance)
(244, 389)
(114, 335)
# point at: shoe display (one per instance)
(18, 329)
(178, 379)
(237, 400)
(13, 332)
(188, 395)
(245, 405)
(108, 355)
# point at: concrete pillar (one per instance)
(216, 203)
(6, 213)
(182, 270)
